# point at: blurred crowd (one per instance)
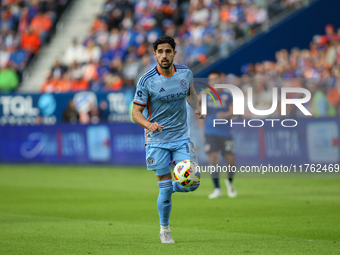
(24, 26)
(316, 68)
(118, 49)
(90, 114)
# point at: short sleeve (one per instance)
(142, 93)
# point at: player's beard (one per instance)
(166, 66)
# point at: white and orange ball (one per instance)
(186, 173)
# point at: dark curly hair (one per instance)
(164, 39)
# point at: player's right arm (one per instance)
(139, 103)
(137, 116)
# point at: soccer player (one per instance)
(160, 108)
(218, 138)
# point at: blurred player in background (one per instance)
(160, 108)
(218, 138)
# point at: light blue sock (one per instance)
(164, 201)
(179, 188)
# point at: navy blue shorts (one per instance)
(224, 144)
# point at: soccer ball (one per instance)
(186, 173)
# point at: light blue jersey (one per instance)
(165, 101)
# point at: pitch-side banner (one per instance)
(312, 141)
(118, 144)
(49, 109)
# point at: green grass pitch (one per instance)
(112, 210)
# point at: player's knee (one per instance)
(163, 174)
(214, 162)
(213, 158)
(230, 159)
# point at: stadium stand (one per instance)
(24, 27)
(119, 47)
(316, 68)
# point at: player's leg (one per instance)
(229, 155)
(157, 159)
(183, 150)
(230, 158)
(213, 161)
(211, 148)
(164, 203)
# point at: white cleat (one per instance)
(165, 235)
(230, 188)
(216, 194)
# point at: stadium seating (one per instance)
(24, 26)
(118, 49)
(316, 68)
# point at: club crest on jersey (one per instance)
(183, 83)
(150, 161)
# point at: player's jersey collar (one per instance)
(164, 74)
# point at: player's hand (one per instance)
(198, 113)
(155, 127)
